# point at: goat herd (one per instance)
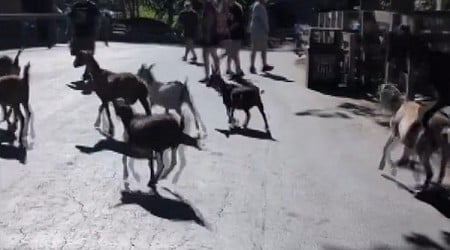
(147, 135)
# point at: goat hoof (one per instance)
(126, 186)
(151, 184)
(402, 162)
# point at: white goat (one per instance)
(170, 95)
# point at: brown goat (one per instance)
(15, 91)
(109, 86)
(406, 127)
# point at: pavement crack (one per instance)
(133, 239)
(64, 242)
(80, 204)
(225, 203)
(24, 235)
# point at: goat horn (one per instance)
(151, 66)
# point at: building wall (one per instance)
(10, 6)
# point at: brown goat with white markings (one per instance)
(109, 86)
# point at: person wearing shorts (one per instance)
(237, 33)
(259, 32)
(189, 21)
(210, 38)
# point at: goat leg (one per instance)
(22, 139)
(159, 159)
(182, 155)
(125, 168)
(425, 159)
(152, 181)
(263, 113)
(173, 163)
(386, 152)
(405, 158)
(97, 121)
(247, 118)
(111, 124)
(5, 116)
(444, 159)
(145, 103)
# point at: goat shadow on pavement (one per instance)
(436, 196)
(251, 133)
(11, 152)
(414, 240)
(196, 63)
(276, 77)
(177, 209)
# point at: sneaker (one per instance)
(194, 59)
(184, 59)
(267, 68)
(229, 72)
(253, 70)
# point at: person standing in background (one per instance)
(210, 39)
(85, 18)
(188, 19)
(259, 32)
(236, 24)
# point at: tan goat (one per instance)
(406, 128)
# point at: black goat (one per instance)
(238, 97)
(155, 133)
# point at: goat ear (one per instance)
(151, 66)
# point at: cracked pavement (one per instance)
(315, 187)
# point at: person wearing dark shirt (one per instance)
(85, 20)
(236, 24)
(189, 21)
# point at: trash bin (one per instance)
(325, 58)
